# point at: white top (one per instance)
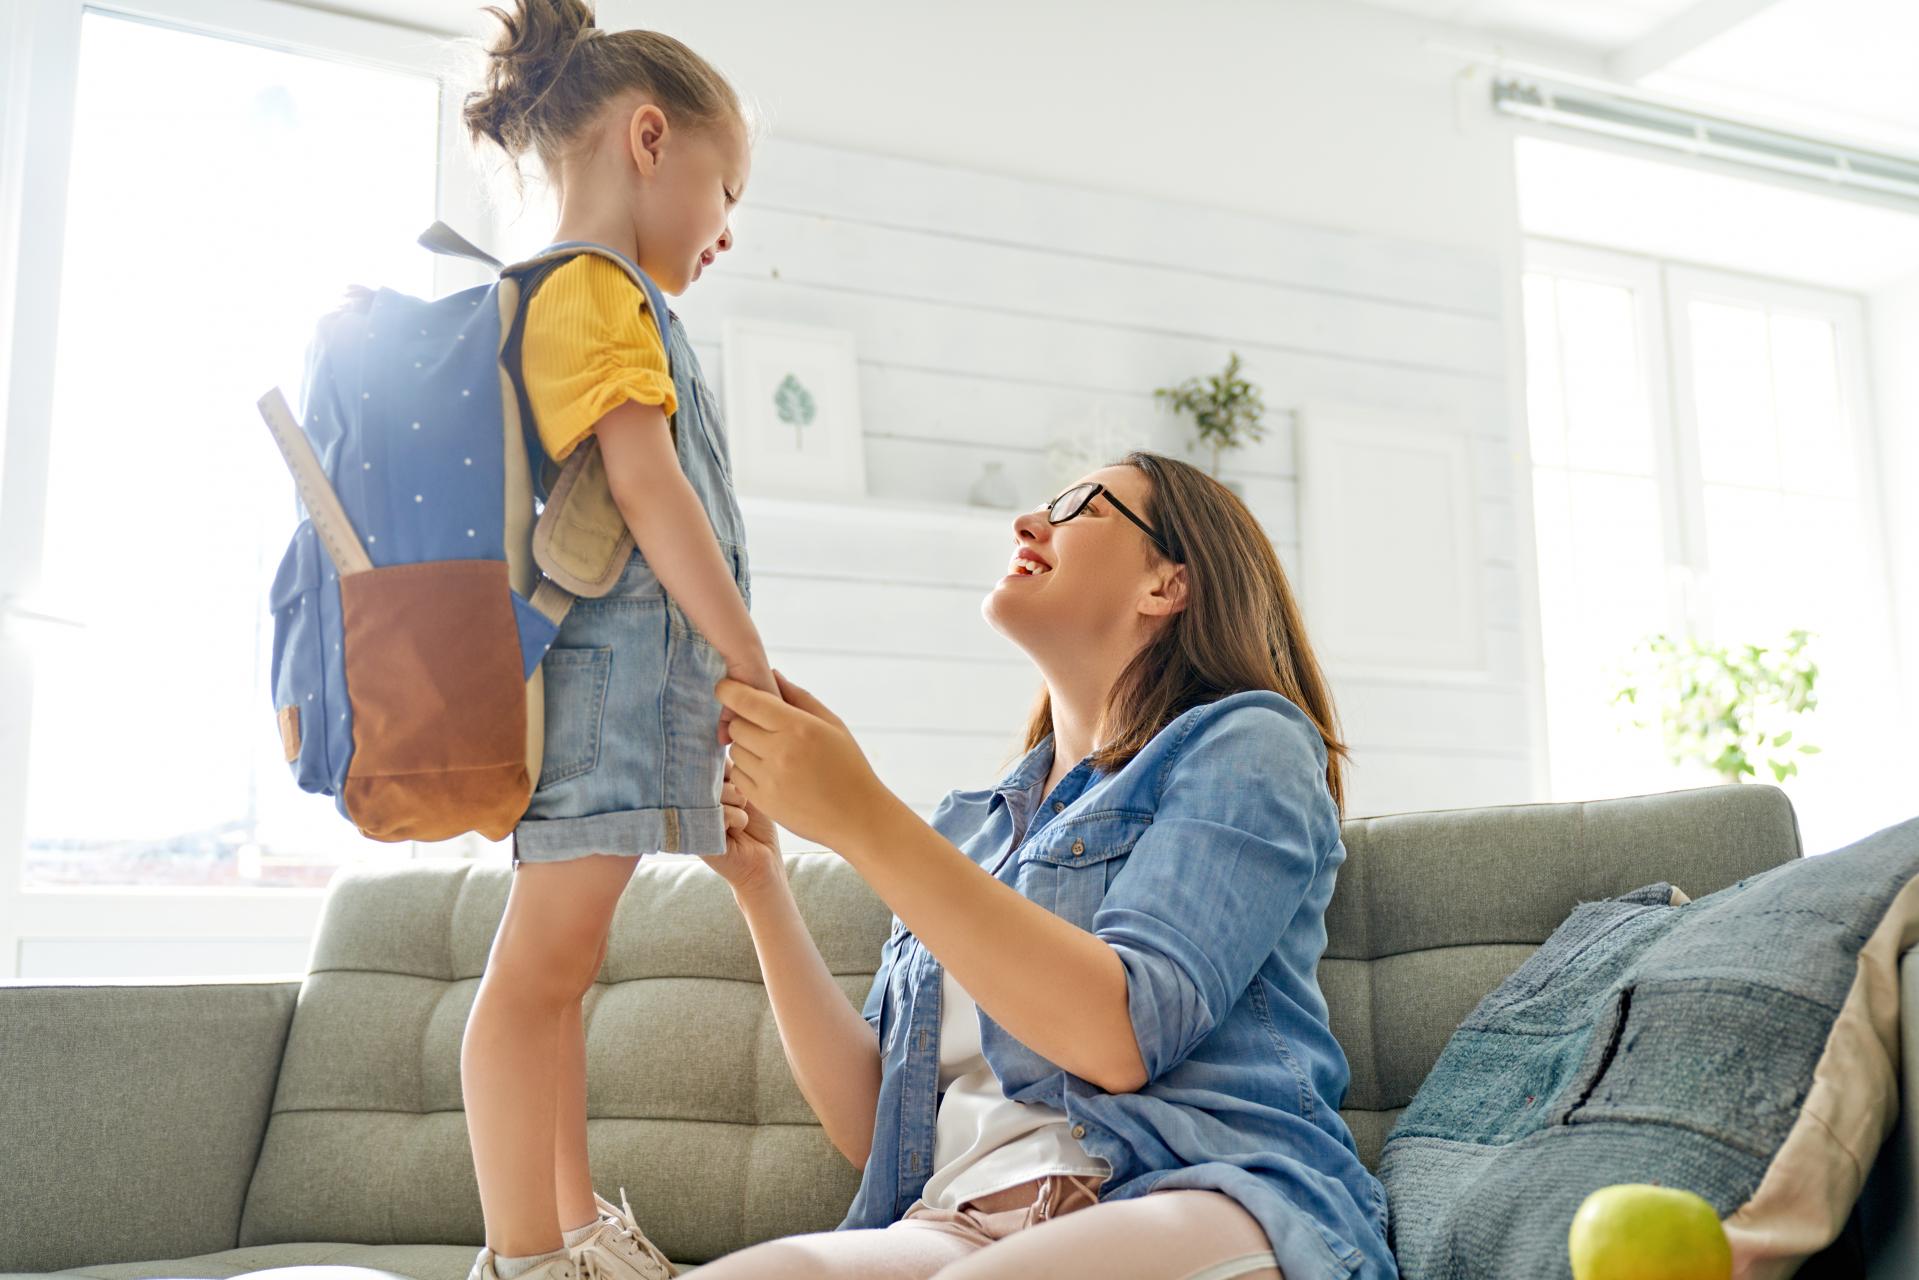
(985, 1142)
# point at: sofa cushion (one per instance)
(1742, 1046)
(690, 1105)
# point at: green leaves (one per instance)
(1225, 408)
(793, 402)
(1729, 707)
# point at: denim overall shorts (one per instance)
(633, 760)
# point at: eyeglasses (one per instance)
(1074, 500)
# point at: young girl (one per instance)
(647, 148)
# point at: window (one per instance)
(200, 198)
(178, 306)
(1701, 464)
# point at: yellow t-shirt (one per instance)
(590, 345)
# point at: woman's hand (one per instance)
(755, 672)
(752, 862)
(797, 762)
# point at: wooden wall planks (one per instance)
(995, 315)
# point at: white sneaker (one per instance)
(618, 1249)
(561, 1268)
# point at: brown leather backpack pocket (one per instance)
(434, 677)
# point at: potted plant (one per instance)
(1731, 708)
(1225, 409)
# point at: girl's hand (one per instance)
(797, 762)
(752, 862)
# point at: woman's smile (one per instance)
(1028, 563)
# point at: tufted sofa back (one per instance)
(690, 1104)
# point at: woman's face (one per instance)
(1091, 583)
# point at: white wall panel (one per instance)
(996, 315)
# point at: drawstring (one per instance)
(1087, 1185)
(1044, 1207)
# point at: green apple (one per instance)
(1635, 1231)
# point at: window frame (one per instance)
(1661, 289)
(1846, 312)
(1641, 278)
(40, 50)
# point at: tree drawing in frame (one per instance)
(795, 405)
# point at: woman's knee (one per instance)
(793, 1258)
(1167, 1235)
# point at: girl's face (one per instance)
(686, 182)
(1092, 584)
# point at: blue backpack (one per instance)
(439, 551)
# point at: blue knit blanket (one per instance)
(1643, 1042)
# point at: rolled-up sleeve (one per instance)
(875, 1007)
(1217, 877)
(590, 346)
(875, 1004)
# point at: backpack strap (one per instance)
(552, 601)
(581, 540)
(443, 239)
(529, 282)
(580, 543)
(322, 503)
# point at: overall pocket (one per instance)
(575, 709)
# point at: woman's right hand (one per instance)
(752, 861)
(756, 672)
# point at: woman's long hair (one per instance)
(1240, 628)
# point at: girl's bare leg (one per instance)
(572, 1172)
(543, 960)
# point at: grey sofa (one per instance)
(212, 1129)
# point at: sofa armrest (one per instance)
(131, 1116)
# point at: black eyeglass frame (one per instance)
(1094, 489)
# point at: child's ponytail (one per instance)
(552, 70)
(537, 39)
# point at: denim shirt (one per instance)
(1206, 863)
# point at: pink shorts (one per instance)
(1054, 1226)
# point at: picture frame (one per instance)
(792, 410)
(1384, 606)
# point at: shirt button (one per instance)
(1059, 807)
(1079, 847)
(1079, 1131)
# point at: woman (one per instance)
(1096, 1043)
